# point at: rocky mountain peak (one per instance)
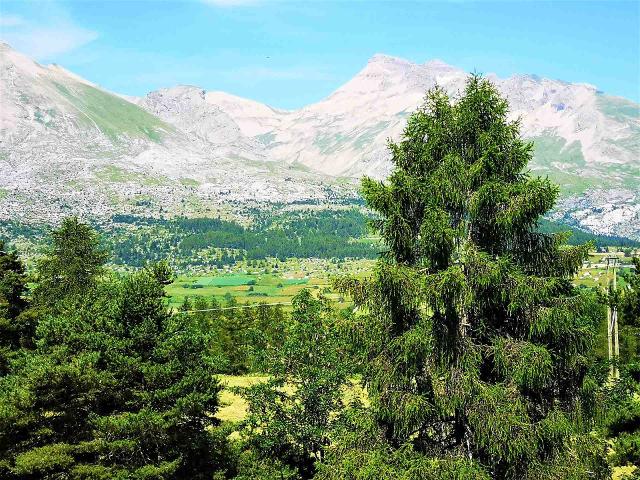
(53, 123)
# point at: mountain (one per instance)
(585, 140)
(68, 146)
(65, 143)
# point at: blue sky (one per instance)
(289, 54)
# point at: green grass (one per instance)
(189, 182)
(552, 149)
(225, 280)
(233, 407)
(296, 274)
(329, 143)
(367, 137)
(268, 287)
(113, 115)
(619, 108)
(553, 157)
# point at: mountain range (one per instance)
(69, 146)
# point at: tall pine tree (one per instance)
(72, 264)
(474, 340)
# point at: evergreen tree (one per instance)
(631, 297)
(266, 336)
(291, 415)
(116, 388)
(13, 283)
(16, 328)
(72, 264)
(236, 332)
(475, 342)
(623, 421)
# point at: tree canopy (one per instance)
(73, 262)
(115, 386)
(290, 416)
(475, 344)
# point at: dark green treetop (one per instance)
(16, 330)
(474, 341)
(13, 283)
(631, 297)
(116, 388)
(72, 263)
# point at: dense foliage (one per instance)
(213, 243)
(622, 424)
(216, 242)
(16, 330)
(475, 344)
(114, 386)
(240, 338)
(467, 353)
(71, 264)
(291, 415)
(630, 305)
(579, 237)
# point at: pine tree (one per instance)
(630, 319)
(116, 388)
(16, 328)
(266, 336)
(475, 342)
(291, 415)
(631, 298)
(72, 264)
(13, 283)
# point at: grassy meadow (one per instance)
(249, 285)
(234, 407)
(266, 285)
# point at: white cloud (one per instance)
(44, 34)
(47, 42)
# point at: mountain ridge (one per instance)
(55, 125)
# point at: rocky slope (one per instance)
(585, 140)
(66, 144)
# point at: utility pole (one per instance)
(612, 319)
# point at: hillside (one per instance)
(66, 145)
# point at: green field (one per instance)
(594, 271)
(247, 285)
(256, 286)
(268, 288)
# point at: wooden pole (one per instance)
(612, 319)
(614, 314)
(609, 325)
